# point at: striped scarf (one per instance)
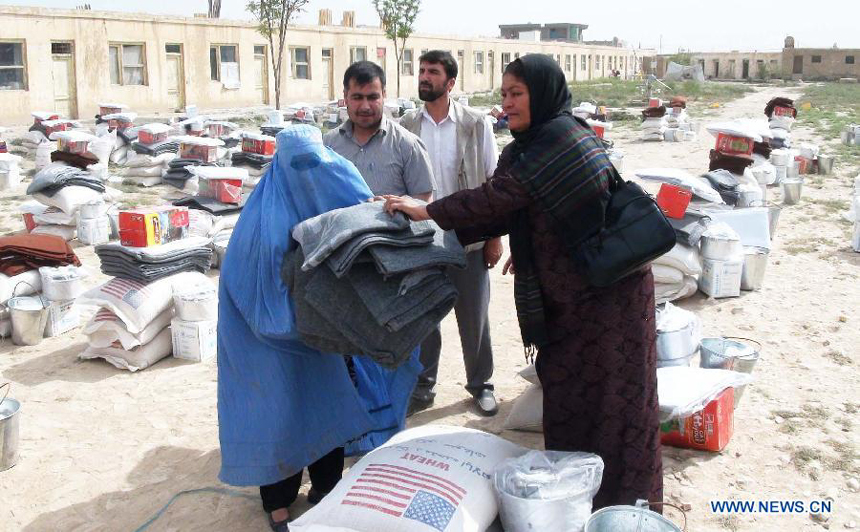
(564, 168)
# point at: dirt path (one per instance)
(103, 449)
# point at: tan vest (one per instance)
(471, 131)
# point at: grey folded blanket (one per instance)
(321, 235)
(445, 250)
(332, 314)
(416, 234)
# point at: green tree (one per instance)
(273, 17)
(398, 21)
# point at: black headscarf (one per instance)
(549, 96)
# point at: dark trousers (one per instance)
(325, 473)
(473, 285)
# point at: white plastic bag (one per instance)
(549, 491)
(683, 391)
(106, 328)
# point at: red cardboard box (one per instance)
(259, 144)
(709, 429)
(153, 226)
(223, 190)
(732, 145)
(673, 200)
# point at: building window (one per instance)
(479, 62)
(407, 68)
(849, 59)
(424, 51)
(326, 53)
(357, 53)
(558, 59)
(816, 58)
(61, 48)
(224, 63)
(582, 63)
(173, 48)
(127, 64)
(259, 50)
(568, 63)
(597, 62)
(516, 55)
(301, 65)
(506, 59)
(12, 66)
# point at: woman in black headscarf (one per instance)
(596, 354)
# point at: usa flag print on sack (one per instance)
(401, 491)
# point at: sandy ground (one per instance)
(103, 449)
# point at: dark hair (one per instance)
(516, 69)
(363, 72)
(441, 57)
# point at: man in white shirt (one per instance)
(463, 153)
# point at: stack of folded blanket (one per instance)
(210, 205)
(20, 253)
(364, 282)
(78, 160)
(155, 262)
(171, 145)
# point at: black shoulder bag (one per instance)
(634, 233)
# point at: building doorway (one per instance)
(261, 74)
(175, 77)
(327, 73)
(63, 77)
(798, 65)
(746, 69)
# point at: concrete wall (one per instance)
(831, 66)
(729, 65)
(91, 32)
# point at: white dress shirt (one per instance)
(441, 142)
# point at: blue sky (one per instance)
(695, 24)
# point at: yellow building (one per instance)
(69, 61)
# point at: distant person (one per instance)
(463, 152)
(390, 159)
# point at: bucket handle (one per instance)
(19, 284)
(41, 297)
(675, 506)
(8, 386)
(755, 342)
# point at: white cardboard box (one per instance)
(194, 340)
(63, 316)
(721, 278)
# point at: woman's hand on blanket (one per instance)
(509, 266)
(411, 207)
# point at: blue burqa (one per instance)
(281, 404)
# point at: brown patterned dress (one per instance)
(598, 371)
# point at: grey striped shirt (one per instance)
(394, 161)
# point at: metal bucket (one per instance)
(791, 191)
(630, 519)
(29, 316)
(714, 355)
(825, 164)
(755, 262)
(773, 212)
(668, 363)
(9, 409)
(680, 344)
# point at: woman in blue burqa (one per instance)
(283, 406)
